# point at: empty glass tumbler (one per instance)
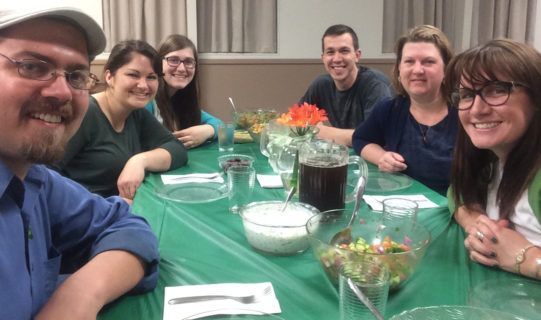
(399, 213)
(240, 182)
(369, 276)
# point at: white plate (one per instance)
(193, 192)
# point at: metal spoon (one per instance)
(289, 196)
(364, 299)
(232, 104)
(344, 235)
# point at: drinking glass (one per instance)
(399, 213)
(226, 137)
(369, 276)
(240, 181)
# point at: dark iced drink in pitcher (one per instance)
(323, 174)
(322, 183)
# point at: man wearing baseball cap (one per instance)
(50, 225)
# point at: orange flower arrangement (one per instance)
(302, 117)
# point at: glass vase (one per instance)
(287, 162)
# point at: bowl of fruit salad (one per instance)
(253, 121)
(401, 249)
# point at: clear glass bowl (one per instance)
(253, 118)
(322, 227)
(272, 231)
(235, 159)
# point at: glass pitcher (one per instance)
(273, 138)
(323, 174)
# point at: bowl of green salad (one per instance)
(401, 249)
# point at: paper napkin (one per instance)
(194, 310)
(194, 177)
(376, 202)
(269, 181)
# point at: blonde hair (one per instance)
(422, 33)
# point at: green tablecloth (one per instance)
(204, 244)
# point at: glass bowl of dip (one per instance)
(271, 231)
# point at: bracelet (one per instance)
(538, 268)
(520, 257)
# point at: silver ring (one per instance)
(480, 235)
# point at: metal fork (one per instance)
(242, 299)
(209, 176)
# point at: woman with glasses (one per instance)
(118, 140)
(496, 172)
(177, 100)
(415, 131)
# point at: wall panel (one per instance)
(257, 83)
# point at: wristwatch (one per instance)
(521, 256)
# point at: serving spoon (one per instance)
(289, 196)
(344, 235)
(232, 104)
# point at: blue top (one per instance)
(347, 109)
(51, 225)
(428, 151)
(206, 118)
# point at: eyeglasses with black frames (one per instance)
(40, 70)
(174, 61)
(494, 93)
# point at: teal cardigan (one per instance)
(206, 118)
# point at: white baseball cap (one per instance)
(95, 38)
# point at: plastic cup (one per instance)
(399, 213)
(370, 277)
(240, 181)
(226, 136)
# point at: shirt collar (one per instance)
(5, 178)
(11, 185)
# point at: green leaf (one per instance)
(295, 173)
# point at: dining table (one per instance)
(203, 243)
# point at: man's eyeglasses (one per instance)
(174, 61)
(494, 93)
(40, 70)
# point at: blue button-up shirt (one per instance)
(51, 225)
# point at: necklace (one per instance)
(424, 131)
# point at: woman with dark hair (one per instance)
(496, 173)
(177, 100)
(415, 131)
(118, 140)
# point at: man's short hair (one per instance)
(338, 30)
(95, 38)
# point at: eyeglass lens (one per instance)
(493, 93)
(175, 61)
(43, 71)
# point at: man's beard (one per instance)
(46, 149)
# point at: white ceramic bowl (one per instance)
(274, 232)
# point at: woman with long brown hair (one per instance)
(496, 175)
(177, 100)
